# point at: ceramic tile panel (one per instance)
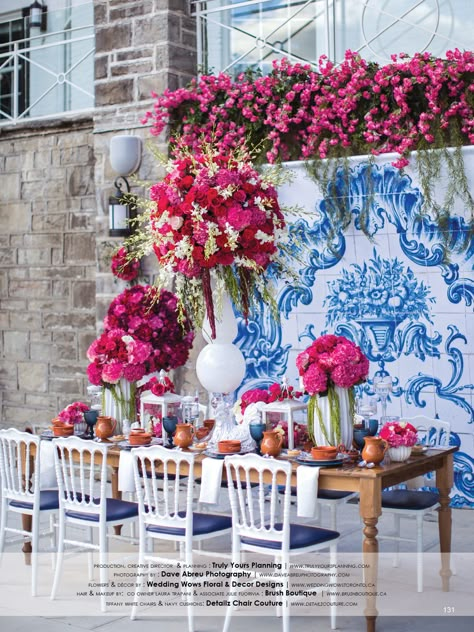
(405, 297)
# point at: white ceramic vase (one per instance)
(400, 453)
(333, 420)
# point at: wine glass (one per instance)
(383, 385)
(169, 424)
(256, 432)
(90, 417)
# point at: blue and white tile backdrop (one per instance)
(411, 313)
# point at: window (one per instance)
(47, 72)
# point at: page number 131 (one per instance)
(448, 609)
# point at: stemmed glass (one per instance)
(169, 424)
(256, 432)
(383, 385)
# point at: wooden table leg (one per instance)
(26, 524)
(116, 493)
(444, 483)
(370, 510)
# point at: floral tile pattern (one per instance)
(406, 297)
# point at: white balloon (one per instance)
(220, 367)
(226, 324)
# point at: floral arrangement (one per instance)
(328, 362)
(73, 413)
(356, 107)
(142, 334)
(381, 288)
(399, 433)
(275, 392)
(123, 266)
(331, 360)
(300, 433)
(159, 386)
(214, 212)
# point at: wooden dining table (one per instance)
(369, 484)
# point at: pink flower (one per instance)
(123, 267)
(399, 433)
(73, 413)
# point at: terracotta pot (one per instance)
(323, 453)
(374, 450)
(229, 446)
(271, 443)
(64, 430)
(139, 438)
(105, 427)
(209, 424)
(183, 437)
(201, 432)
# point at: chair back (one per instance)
(256, 513)
(19, 465)
(164, 481)
(77, 462)
(432, 432)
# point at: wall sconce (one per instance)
(38, 14)
(125, 155)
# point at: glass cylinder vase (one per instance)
(119, 402)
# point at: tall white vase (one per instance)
(333, 420)
(220, 366)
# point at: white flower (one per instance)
(263, 237)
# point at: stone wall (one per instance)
(55, 282)
(47, 277)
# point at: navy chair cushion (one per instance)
(300, 537)
(115, 510)
(407, 499)
(323, 494)
(203, 523)
(48, 500)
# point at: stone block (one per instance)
(83, 294)
(57, 272)
(41, 351)
(61, 288)
(45, 240)
(18, 416)
(144, 52)
(183, 60)
(47, 223)
(4, 241)
(67, 353)
(85, 339)
(114, 92)
(64, 337)
(68, 321)
(81, 155)
(7, 257)
(15, 217)
(28, 289)
(126, 12)
(34, 256)
(33, 376)
(82, 221)
(100, 13)
(4, 320)
(13, 304)
(42, 401)
(79, 247)
(101, 67)
(68, 385)
(48, 304)
(17, 241)
(40, 336)
(15, 344)
(11, 186)
(13, 164)
(131, 68)
(81, 180)
(158, 82)
(108, 37)
(13, 396)
(69, 368)
(26, 320)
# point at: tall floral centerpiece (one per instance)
(143, 333)
(329, 368)
(217, 230)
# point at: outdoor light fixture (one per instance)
(38, 16)
(125, 156)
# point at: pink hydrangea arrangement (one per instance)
(159, 386)
(73, 413)
(124, 267)
(398, 433)
(329, 362)
(275, 392)
(214, 216)
(142, 334)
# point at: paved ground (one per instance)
(15, 603)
